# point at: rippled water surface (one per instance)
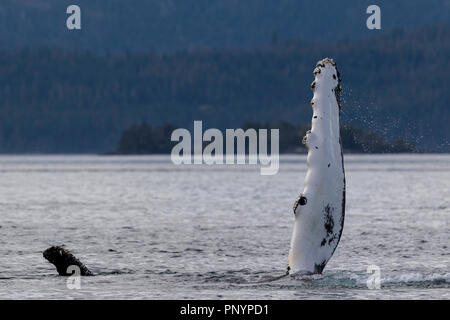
(150, 229)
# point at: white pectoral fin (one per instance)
(319, 210)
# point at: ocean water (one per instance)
(150, 229)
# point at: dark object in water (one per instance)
(62, 259)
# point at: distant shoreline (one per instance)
(107, 154)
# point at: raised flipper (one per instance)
(319, 211)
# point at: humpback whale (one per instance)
(62, 259)
(320, 208)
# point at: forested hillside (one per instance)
(77, 101)
(168, 25)
(144, 139)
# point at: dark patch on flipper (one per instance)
(331, 239)
(329, 226)
(300, 201)
(337, 93)
(329, 221)
(62, 258)
(318, 268)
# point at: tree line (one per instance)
(144, 139)
(58, 101)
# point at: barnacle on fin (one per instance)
(338, 89)
(301, 201)
(304, 140)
